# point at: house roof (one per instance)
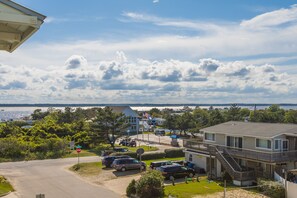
(118, 109)
(17, 24)
(253, 129)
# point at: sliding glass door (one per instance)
(235, 142)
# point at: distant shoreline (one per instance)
(139, 105)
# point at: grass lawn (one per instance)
(83, 153)
(191, 189)
(145, 147)
(87, 169)
(5, 186)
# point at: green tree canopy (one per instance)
(109, 125)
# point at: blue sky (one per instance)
(150, 51)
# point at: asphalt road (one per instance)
(51, 177)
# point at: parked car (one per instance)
(127, 142)
(108, 160)
(155, 165)
(119, 149)
(116, 149)
(124, 142)
(128, 164)
(180, 162)
(176, 171)
(132, 143)
(160, 132)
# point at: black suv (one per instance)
(176, 171)
(108, 160)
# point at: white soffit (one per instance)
(17, 24)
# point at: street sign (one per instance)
(78, 146)
(140, 151)
(78, 150)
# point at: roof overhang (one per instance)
(17, 24)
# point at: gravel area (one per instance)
(238, 193)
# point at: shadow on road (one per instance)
(107, 168)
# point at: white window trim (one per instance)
(280, 144)
(288, 145)
(209, 140)
(269, 149)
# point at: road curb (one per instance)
(6, 194)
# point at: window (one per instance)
(261, 143)
(209, 136)
(285, 145)
(190, 157)
(277, 144)
(234, 141)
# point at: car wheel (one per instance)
(142, 168)
(191, 175)
(123, 169)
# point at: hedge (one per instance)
(145, 156)
(170, 153)
(131, 154)
(155, 155)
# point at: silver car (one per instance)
(128, 164)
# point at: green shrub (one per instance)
(226, 176)
(12, 148)
(155, 155)
(131, 154)
(145, 156)
(271, 188)
(171, 153)
(131, 189)
(101, 147)
(150, 185)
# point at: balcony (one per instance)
(265, 156)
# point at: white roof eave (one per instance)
(17, 27)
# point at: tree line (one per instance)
(194, 120)
(52, 130)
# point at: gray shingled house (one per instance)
(245, 150)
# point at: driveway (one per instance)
(51, 177)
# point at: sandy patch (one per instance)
(119, 185)
(238, 193)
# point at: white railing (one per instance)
(268, 156)
(291, 187)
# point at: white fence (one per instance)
(291, 187)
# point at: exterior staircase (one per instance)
(231, 166)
